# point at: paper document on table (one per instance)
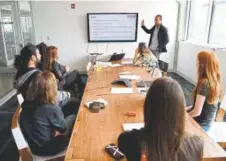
(104, 64)
(127, 62)
(88, 67)
(217, 131)
(131, 126)
(121, 90)
(223, 103)
(116, 65)
(130, 76)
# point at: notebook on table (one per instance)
(121, 90)
(131, 126)
(130, 76)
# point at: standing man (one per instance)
(159, 36)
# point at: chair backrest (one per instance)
(163, 66)
(18, 136)
(222, 109)
(20, 98)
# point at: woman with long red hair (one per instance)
(68, 80)
(208, 90)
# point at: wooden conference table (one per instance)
(93, 131)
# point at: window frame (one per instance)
(209, 20)
(214, 3)
(211, 10)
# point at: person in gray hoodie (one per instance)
(26, 64)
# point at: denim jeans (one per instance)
(70, 120)
(205, 127)
(59, 143)
(63, 98)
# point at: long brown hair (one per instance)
(164, 117)
(143, 48)
(209, 74)
(43, 88)
(52, 54)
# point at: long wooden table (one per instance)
(93, 131)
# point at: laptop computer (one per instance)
(116, 57)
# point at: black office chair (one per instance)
(163, 66)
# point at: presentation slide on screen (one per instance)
(112, 27)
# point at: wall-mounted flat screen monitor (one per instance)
(112, 27)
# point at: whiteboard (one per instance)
(112, 27)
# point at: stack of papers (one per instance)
(104, 64)
(88, 67)
(107, 64)
(127, 62)
(116, 65)
(130, 76)
(131, 126)
(121, 90)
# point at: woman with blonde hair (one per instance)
(42, 121)
(208, 90)
(144, 57)
(69, 81)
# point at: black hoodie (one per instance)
(39, 122)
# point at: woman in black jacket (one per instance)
(26, 65)
(42, 121)
(67, 80)
(42, 47)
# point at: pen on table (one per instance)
(102, 94)
(131, 113)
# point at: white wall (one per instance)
(57, 24)
(186, 65)
(24, 6)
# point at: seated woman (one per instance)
(42, 121)
(42, 47)
(144, 57)
(26, 64)
(163, 137)
(208, 89)
(67, 80)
